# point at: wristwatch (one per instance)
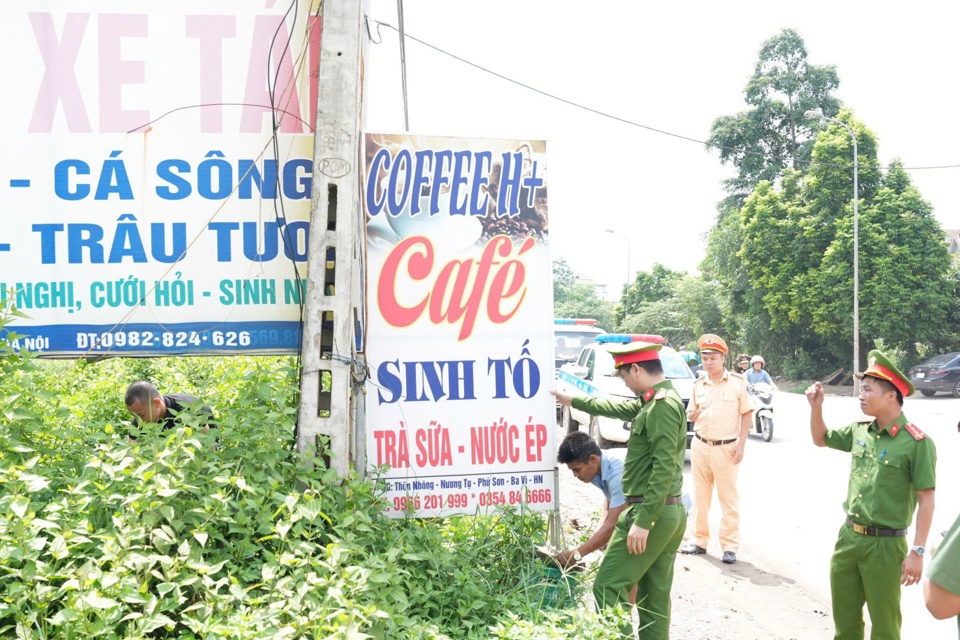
(918, 550)
(577, 557)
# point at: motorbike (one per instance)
(761, 397)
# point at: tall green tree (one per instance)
(782, 247)
(777, 254)
(903, 269)
(949, 338)
(646, 288)
(773, 134)
(671, 304)
(797, 253)
(722, 266)
(765, 142)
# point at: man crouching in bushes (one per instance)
(147, 405)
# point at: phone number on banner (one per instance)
(275, 337)
(446, 496)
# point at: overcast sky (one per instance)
(670, 66)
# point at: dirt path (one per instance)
(714, 601)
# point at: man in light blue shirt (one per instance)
(756, 372)
(586, 460)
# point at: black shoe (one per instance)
(729, 557)
(693, 550)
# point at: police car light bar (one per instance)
(630, 337)
(573, 321)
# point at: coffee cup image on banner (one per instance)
(455, 231)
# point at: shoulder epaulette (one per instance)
(914, 430)
(661, 394)
(738, 375)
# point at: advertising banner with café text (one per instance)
(147, 207)
(459, 340)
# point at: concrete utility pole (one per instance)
(334, 301)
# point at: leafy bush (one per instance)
(169, 537)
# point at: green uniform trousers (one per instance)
(866, 569)
(651, 570)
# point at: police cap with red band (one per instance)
(631, 352)
(879, 366)
(712, 342)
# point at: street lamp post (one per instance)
(617, 233)
(817, 114)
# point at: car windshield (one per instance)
(674, 367)
(568, 344)
(941, 360)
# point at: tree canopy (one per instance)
(777, 276)
(791, 245)
(773, 134)
(782, 245)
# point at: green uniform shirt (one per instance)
(887, 469)
(653, 467)
(945, 568)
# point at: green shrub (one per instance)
(169, 537)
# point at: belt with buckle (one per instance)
(639, 499)
(875, 531)
(714, 443)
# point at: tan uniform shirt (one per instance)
(720, 404)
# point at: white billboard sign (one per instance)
(146, 206)
(460, 342)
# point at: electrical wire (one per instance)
(632, 123)
(219, 104)
(278, 209)
(403, 66)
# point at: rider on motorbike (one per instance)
(742, 364)
(761, 397)
(756, 373)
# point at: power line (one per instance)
(542, 92)
(616, 118)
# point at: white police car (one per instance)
(593, 374)
(570, 336)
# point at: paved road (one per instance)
(792, 494)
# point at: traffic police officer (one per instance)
(648, 533)
(892, 470)
(721, 409)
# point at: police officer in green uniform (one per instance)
(892, 471)
(648, 533)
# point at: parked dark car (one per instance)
(939, 373)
